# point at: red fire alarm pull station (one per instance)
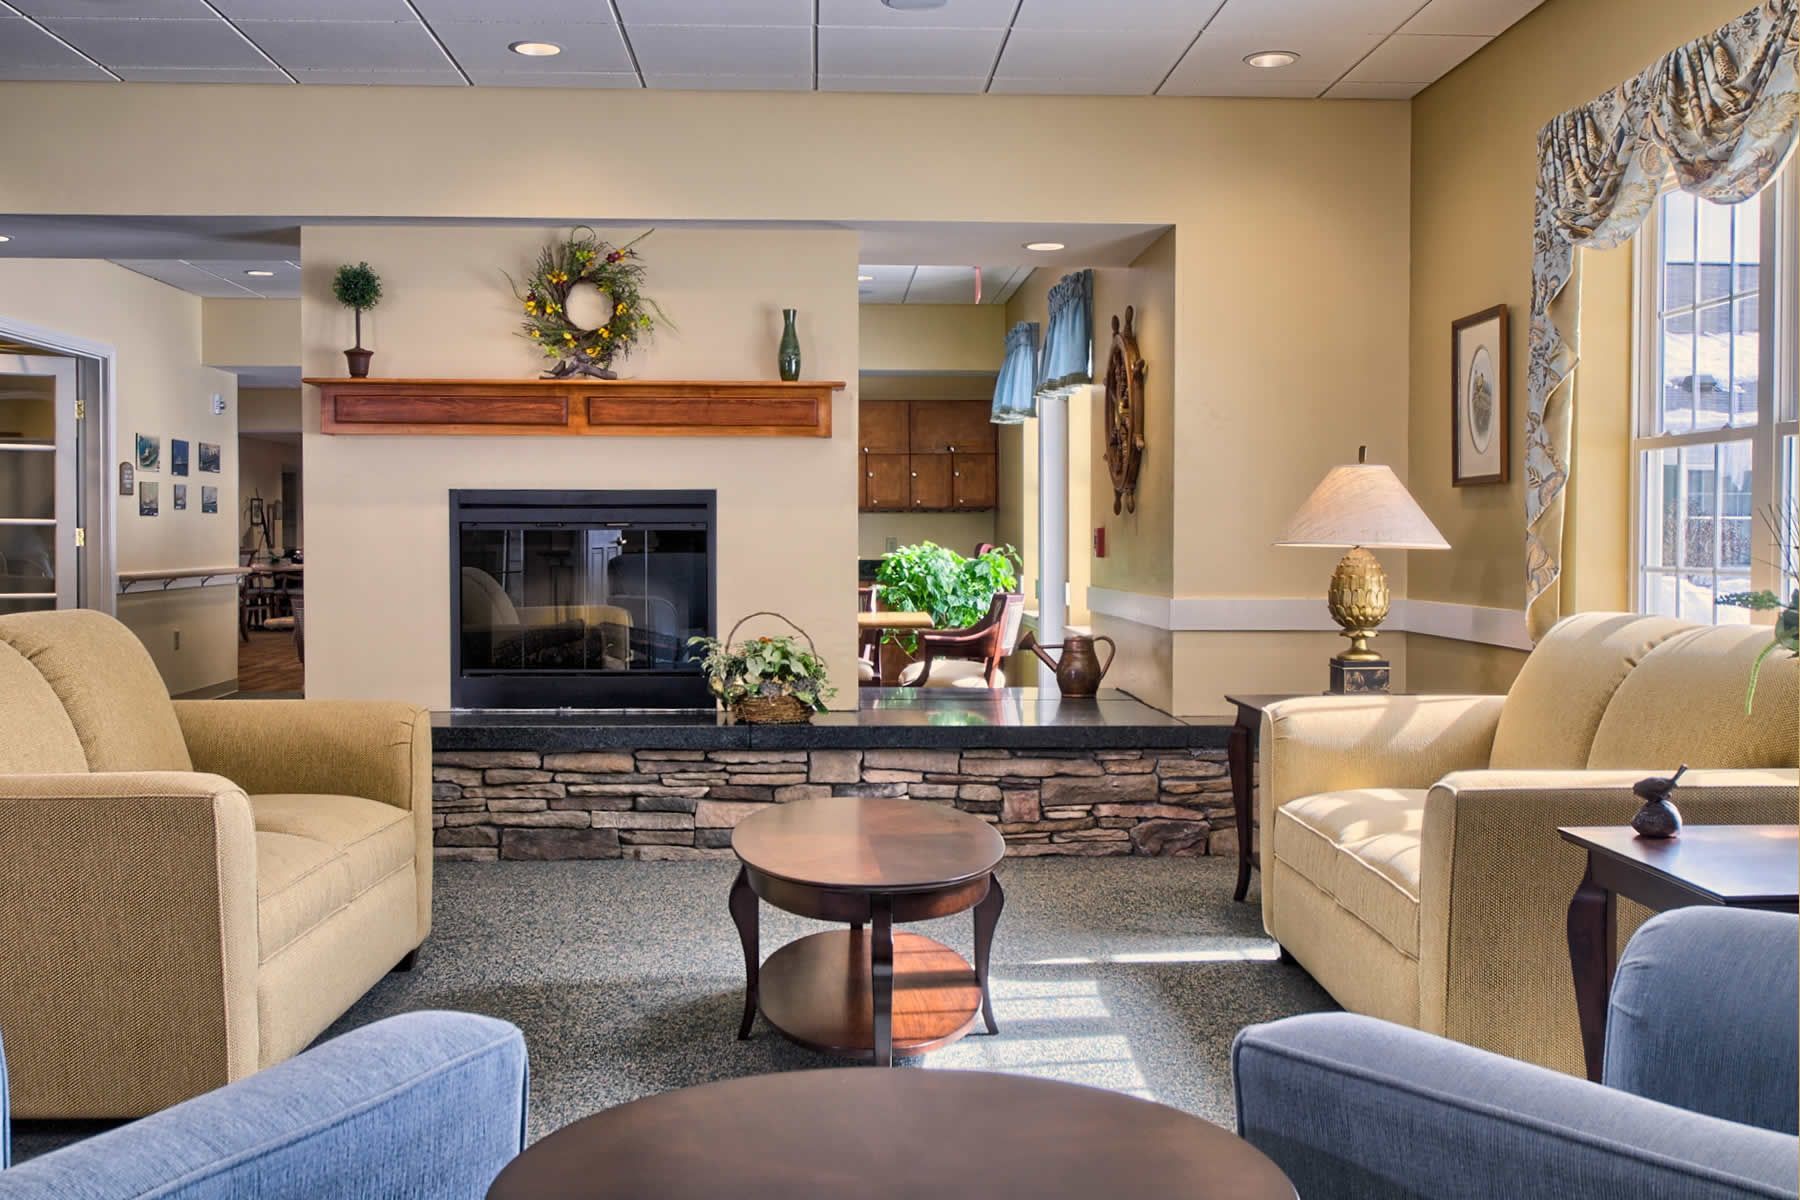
(1100, 541)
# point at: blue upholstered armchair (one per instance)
(425, 1105)
(1702, 1075)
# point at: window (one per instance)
(1719, 355)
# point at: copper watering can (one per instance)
(1079, 673)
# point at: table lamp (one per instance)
(1361, 506)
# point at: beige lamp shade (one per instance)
(1362, 504)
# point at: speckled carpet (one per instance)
(627, 978)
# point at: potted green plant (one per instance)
(765, 680)
(357, 288)
(935, 579)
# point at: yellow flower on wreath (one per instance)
(536, 334)
(605, 332)
(619, 310)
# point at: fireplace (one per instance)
(580, 599)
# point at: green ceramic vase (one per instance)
(788, 357)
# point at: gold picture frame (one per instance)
(1480, 398)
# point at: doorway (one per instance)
(54, 520)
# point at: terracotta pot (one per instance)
(359, 362)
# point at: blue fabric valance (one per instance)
(1068, 359)
(1014, 391)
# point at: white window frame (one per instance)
(1778, 390)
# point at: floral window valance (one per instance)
(1015, 396)
(1716, 117)
(1069, 335)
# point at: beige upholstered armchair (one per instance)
(192, 890)
(1409, 849)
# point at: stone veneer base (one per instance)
(680, 805)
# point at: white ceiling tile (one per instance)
(129, 42)
(1414, 58)
(569, 79)
(921, 52)
(24, 45)
(888, 285)
(585, 47)
(1040, 54)
(902, 83)
(715, 12)
(1171, 16)
(961, 14)
(1374, 91)
(185, 276)
(444, 77)
(1295, 17)
(679, 82)
(942, 285)
(1271, 89)
(1488, 17)
(1064, 85)
(515, 10)
(722, 49)
(1217, 59)
(348, 45)
(202, 75)
(315, 10)
(71, 72)
(42, 9)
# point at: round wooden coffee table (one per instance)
(891, 1135)
(867, 992)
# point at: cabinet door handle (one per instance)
(915, 474)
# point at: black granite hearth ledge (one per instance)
(1007, 719)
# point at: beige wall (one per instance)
(250, 332)
(1474, 168)
(161, 390)
(931, 337)
(269, 410)
(376, 507)
(961, 531)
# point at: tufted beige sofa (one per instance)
(191, 890)
(1410, 860)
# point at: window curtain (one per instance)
(1068, 359)
(1015, 390)
(1717, 116)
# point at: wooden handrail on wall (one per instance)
(206, 576)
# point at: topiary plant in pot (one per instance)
(357, 288)
(930, 578)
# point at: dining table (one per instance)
(890, 659)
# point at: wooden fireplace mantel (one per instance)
(581, 407)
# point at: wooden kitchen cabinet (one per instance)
(883, 427)
(887, 482)
(974, 480)
(951, 426)
(932, 482)
(926, 455)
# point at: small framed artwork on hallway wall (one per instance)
(146, 494)
(149, 453)
(1480, 402)
(209, 458)
(209, 498)
(178, 456)
(180, 499)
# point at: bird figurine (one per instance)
(1658, 818)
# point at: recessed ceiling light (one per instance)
(4, 238)
(865, 279)
(1044, 247)
(914, 5)
(260, 274)
(535, 49)
(1268, 60)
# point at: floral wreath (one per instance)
(583, 260)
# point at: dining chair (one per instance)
(971, 657)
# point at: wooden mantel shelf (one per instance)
(581, 407)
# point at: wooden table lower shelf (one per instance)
(816, 991)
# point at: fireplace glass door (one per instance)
(566, 612)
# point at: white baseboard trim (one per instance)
(1303, 614)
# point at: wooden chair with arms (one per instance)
(969, 658)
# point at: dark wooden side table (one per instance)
(877, 862)
(1240, 756)
(1734, 866)
(891, 1135)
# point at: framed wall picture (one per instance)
(209, 458)
(127, 479)
(209, 498)
(180, 496)
(178, 456)
(147, 506)
(149, 453)
(1480, 403)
